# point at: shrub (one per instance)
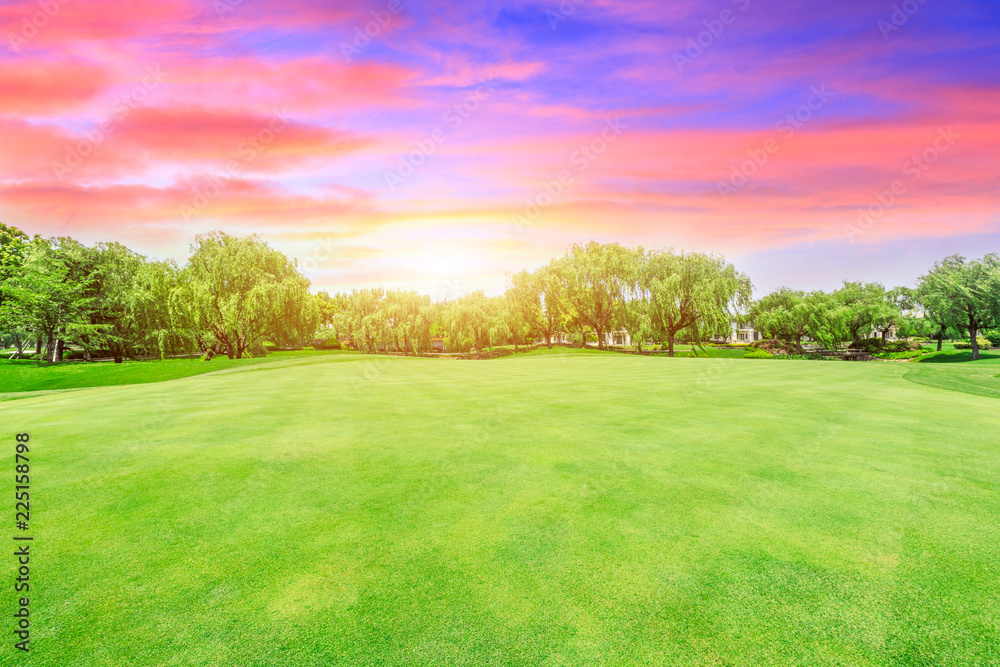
(911, 354)
(757, 353)
(256, 351)
(993, 335)
(204, 357)
(331, 344)
(984, 344)
(309, 348)
(901, 346)
(70, 355)
(870, 345)
(270, 347)
(771, 345)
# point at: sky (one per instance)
(436, 145)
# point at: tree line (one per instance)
(107, 300)
(236, 293)
(956, 298)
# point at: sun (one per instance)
(445, 261)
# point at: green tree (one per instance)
(964, 294)
(13, 245)
(865, 306)
(43, 297)
(782, 314)
(556, 312)
(237, 289)
(524, 306)
(693, 292)
(827, 318)
(596, 278)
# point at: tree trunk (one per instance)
(670, 345)
(940, 338)
(798, 344)
(885, 335)
(50, 347)
(38, 344)
(583, 337)
(20, 346)
(973, 334)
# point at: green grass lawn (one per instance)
(35, 376)
(951, 369)
(552, 509)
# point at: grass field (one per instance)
(546, 509)
(34, 376)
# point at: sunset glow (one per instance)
(429, 144)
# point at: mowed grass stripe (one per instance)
(541, 510)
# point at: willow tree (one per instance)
(782, 314)
(964, 294)
(597, 279)
(523, 302)
(693, 292)
(555, 310)
(866, 305)
(235, 290)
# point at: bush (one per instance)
(331, 344)
(70, 355)
(270, 347)
(984, 344)
(870, 345)
(757, 353)
(309, 348)
(901, 346)
(811, 356)
(771, 345)
(204, 357)
(256, 351)
(912, 354)
(993, 335)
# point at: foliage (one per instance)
(757, 353)
(44, 295)
(596, 281)
(771, 345)
(981, 343)
(692, 292)
(234, 291)
(912, 354)
(964, 294)
(993, 336)
(782, 314)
